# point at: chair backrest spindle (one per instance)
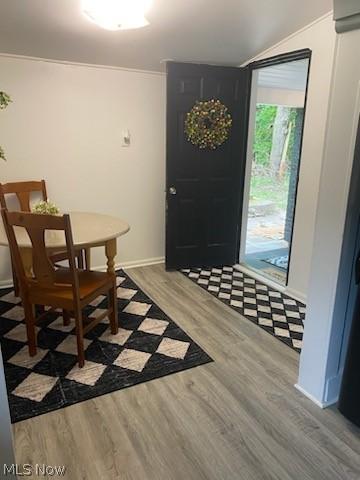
(22, 190)
(36, 226)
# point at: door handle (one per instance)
(172, 191)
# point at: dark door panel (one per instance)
(204, 187)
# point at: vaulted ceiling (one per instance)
(226, 32)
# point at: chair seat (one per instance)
(90, 283)
(69, 289)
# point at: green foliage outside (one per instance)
(265, 185)
(267, 189)
(265, 117)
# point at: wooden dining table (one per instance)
(88, 229)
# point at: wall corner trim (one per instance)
(315, 400)
(81, 64)
(301, 297)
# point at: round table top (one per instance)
(88, 229)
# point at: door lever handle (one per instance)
(172, 191)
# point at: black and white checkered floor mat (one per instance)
(278, 314)
(149, 345)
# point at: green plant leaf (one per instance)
(4, 102)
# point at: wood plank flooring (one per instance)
(239, 418)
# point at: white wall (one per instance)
(320, 365)
(65, 125)
(320, 38)
(281, 96)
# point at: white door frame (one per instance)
(249, 159)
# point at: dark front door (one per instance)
(204, 186)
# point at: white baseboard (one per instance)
(143, 263)
(133, 264)
(295, 294)
(315, 400)
(102, 268)
(6, 283)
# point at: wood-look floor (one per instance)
(236, 418)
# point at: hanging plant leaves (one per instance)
(4, 102)
(2, 154)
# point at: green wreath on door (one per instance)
(208, 124)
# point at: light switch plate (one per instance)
(126, 141)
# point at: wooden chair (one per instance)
(70, 289)
(22, 191)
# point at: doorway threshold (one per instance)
(262, 278)
(269, 282)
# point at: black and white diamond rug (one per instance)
(278, 314)
(149, 345)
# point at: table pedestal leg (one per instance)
(110, 251)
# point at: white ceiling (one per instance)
(226, 32)
(286, 76)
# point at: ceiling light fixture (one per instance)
(117, 14)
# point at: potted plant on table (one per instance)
(45, 207)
